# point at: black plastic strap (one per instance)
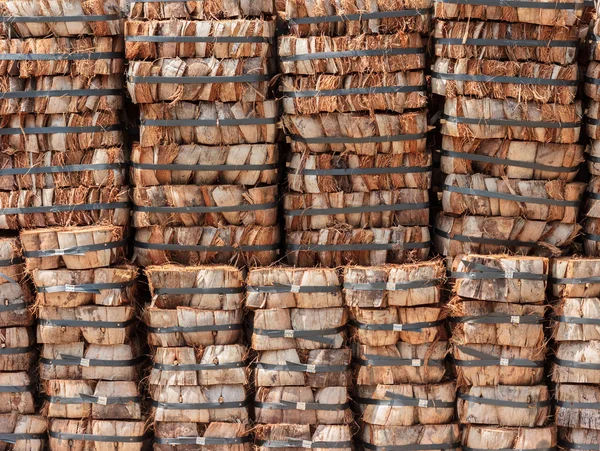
(575, 280)
(397, 400)
(361, 171)
(579, 446)
(295, 367)
(202, 440)
(481, 240)
(58, 19)
(200, 79)
(360, 209)
(63, 208)
(198, 366)
(61, 169)
(365, 139)
(358, 247)
(13, 307)
(99, 438)
(353, 54)
(501, 79)
(578, 405)
(577, 320)
(499, 318)
(60, 93)
(289, 405)
(510, 197)
(591, 120)
(53, 130)
(207, 39)
(376, 360)
(60, 56)
(68, 360)
(208, 122)
(468, 448)
(317, 335)
(485, 359)
(11, 261)
(12, 438)
(353, 91)
(478, 271)
(102, 400)
(283, 288)
(82, 323)
(509, 122)
(93, 288)
(203, 167)
(198, 290)
(200, 405)
(18, 350)
(573, 364)
(16, 388)
(411, 447)
(392, 286)
(206, 209)
(411, 327)
(515, 4)
(507, 42)
(190, 329)
(305, 444)
(504, 403)
(77, 250)
(360, 16)
(202, 248)
(591, 236)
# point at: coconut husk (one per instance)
(397, 177)
(594, 31)
(143, 92)
(464, 108)
(446, 435)
(167, 398)
(570, 353)
(527, 413)
(537, 237)
(399, 320)
(91, 177)
(534, 195)
(281, 405)
(592, 114)
(572, 268)
(591, 89)
(392, 412)
(215, 135)
(175, 430)
(292, 46)
(416, 364)
(58, 8)
(260, 202)
(592, 207)
(203, 278)
(547, 155)
(574, 438)
(319, 320)
(521, 90)
(211, 9)
(255, 28)
(490, 437)
(571, 411)
(16, 393)
(406, 244)
(489, 373)
(263, 292)
(404, 207)
(335, 103)
(513, 289)
(112, 428)
(65, 238)
(216, 355)
(394, 278)
(15, 292)
(592, 151)
(591, 230)
(15, 423)
(193, 154)
(568, 314)
(355, 126)
(20, 359)
(61, 46)
(505, 30)
(298, 436)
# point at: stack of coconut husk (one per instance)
(302, 369)
(205, 167)
(355, 115)
(398, 323)
(510, 126)
(497, 314)
(198, 382)
(576, 361)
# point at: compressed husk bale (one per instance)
(542, 200)
(400, 207)
(591, 242)
(17, 348)
(570, 317)
(284, 287)
(129, 435)
(592, 119)
(462, 32)
(282, 437)
(591, 88)
(19, 425)
(263, 157)
(401, 364)
(493, 438)
(230, 398)
(315, 368)
(592, 155)
(455, 236)
(394, 405)
(446, 69)
(296, 99)
(511, 155)
(16, 393)
(527, 407)
(500, 365)
(167, 285)
(161, 205)
(15, 292)
(106, 59)
(594, 30)
(214, 134)
(565, 273)
(306, 50)
(543, 122)
(382, 437)
(575, 438)
(56, 244)
(390, 285)
(317, 173)
(166, 372)
(252, 245)
(577, 362)
(60, 396)
(592, 207)
(60, 204)
(576, 406)
(113, 25)
(211, 9)
(300, 405)
(138, 33)
(361, 132)
(167, 433)
(401, 244)
(526, 284)
(142, 91)
(326, 326)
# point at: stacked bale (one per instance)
(198, 382)
(354, 104)
(398, 323)
(205, 167)
(510, 126)
(497, 314)
(576, 362)
(302, 367)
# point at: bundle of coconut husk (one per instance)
(513, 159)
(592, 120)
(505, 79)
(205, 205)
(193, 164)
(85, 247)
(15, 292)
(18, 348)
(492, 437)
(214, 123)
(496, 235)
(199, 39)
(16, 393)
(575, 277)
(282, 437)
(218, 436)
(22, 432)
(577, 438)
(211, 9)
(251, 245)
(592, 155)
(118, 435)
(576, 406)
(505, 405)
(446, 436)
(591, 237)
(591, 88)
(199, 79)
(576, 319)
(475, 39)
(577, 362)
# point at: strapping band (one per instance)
(510, 197)
(11, 261)
(102, 400)
(82, 323)
(579, 446)
(200, 79)
(353, 91)
(13, 307)
(578, 405)
(575, 280)
(578, 365)
(499, 318)
(200, 405)
(68, 360)
(62, 169)
(289, 405)
(504, 403)
(282, 288)
(295, 367)
(203, 167)
(53, 130)
(99, 438)
(360, 140)
(58, 19)
(353, 54)
(63, 208)
(13, 438)
(361, 209)
(397, 400)
(358, 247)
(60, 56)
(60, 93)
(202, 248)
(190, 329)
(16, 388)
(18, 350)
(485, 360)
(93, 288)
(392, 286)
(360, 16)
(502, 79)
(411, 447)
(412, 327)
(376, 360)
(202, 440)
(509, 122)
(577, 320)
(77, 250)
(306, 444)
(468, 448)
(481, 240)
(198, 366)
(205, 209)
(361, 171)
(507, 42)
(317, 335)
(198, 290)
(194, 39)
(515, 4)
(207, 122)
(478, 271)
